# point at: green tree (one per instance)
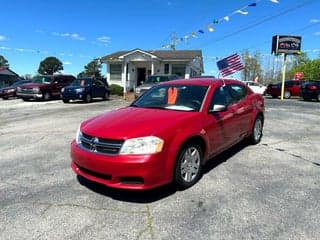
(3, 62)
(310, 69)
(252, 66)
(50, 65)
(92, 69)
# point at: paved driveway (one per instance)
(267, 191)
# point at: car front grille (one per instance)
(26, 90)
(100, 145)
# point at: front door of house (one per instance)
(141, 76)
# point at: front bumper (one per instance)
(73, 96)
(30, 95)
(135, 172)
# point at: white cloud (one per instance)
(317, 33)
(74, 36)
(104, 39)
(2, 38)
(4, 48)
(314, 20)
(67, 63)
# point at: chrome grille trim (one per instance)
(100, 145)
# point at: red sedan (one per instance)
(291, 88)
(167, 134)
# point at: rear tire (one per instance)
(106, 96)
(188, 167)
(256, 133)
(65, 100)
(318, 98)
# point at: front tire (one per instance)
(88, 98)
(188, 167)
(256, 133)
(287, 94)
(46, 96)
(65, 100)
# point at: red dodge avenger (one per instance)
(167, 134)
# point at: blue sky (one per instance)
(76, 32)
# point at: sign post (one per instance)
(283, 74)
(285, 45)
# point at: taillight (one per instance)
(312, 87)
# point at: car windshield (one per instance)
(41, 79)
(81, 82)
(157, 79)
(173, 97)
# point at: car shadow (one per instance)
(224, 156)
(134, 196)
(159, 193)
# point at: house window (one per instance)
(166, 68)
(179, 69)
(115, 72)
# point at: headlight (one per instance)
(143, 145)
(78, 136)
(10, 90)
(36, 89)
(19, 89)
(62, 90)
(79, 90)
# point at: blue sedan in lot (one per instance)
(85, 89)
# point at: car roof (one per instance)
(203, 81)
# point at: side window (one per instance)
(58, 80)
(221, 96)
(98, 83)
(238, 92)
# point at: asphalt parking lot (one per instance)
(267, 191)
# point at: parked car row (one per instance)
(66, 87)
(307, 90)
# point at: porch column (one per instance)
(124, 77)
(152, 68)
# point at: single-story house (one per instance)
(7, 77)
(130, 68)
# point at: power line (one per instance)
(259, 22)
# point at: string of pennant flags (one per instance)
(211, 26)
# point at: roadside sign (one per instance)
(298, 75)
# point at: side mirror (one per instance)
(218, 108)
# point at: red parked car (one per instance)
(167, 134)
(291, 88)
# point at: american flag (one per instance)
(230, 65)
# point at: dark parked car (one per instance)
(291, 88)
(152, 81)
(85, 89)
(44, 87)
(310, 90)
(8, 92)
(167, 134)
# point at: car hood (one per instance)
(32, 85)
(131, 122)
(75, 87)
(6, 88)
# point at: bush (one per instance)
(116, 90)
